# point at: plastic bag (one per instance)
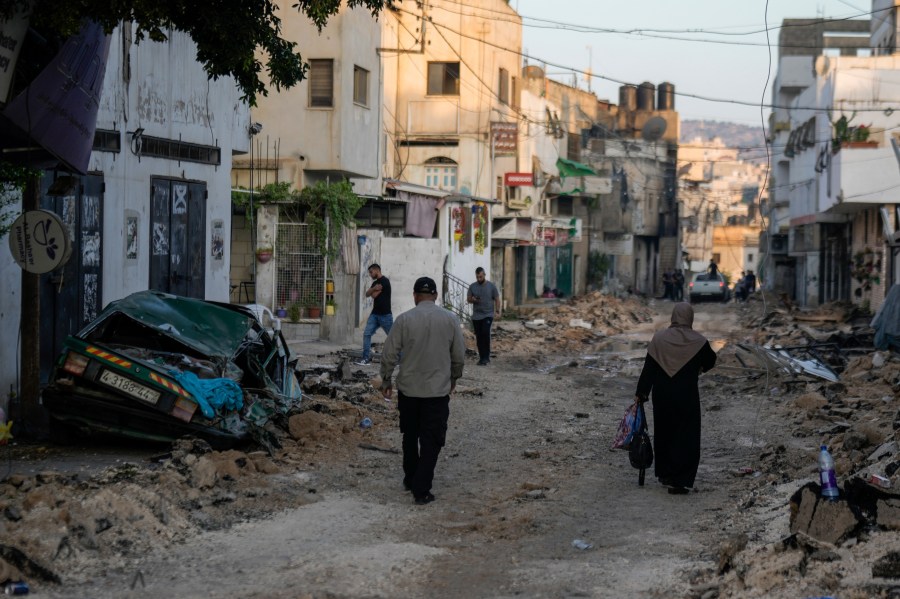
(631, 422)
(640, 450)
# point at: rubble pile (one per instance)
(847, 547)
(63, 527)
(572, 326)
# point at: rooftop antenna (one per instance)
(589, 74)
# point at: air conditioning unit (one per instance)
(779, 244)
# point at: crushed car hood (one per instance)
(209, 328)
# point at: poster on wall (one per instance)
(131, 237)
(218, 240)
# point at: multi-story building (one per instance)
(795, 232)
(718, 198)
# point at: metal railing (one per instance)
(455, 292)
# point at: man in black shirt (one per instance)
(381, 316)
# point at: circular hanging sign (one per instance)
(39, 241)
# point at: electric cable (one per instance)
(893, 105)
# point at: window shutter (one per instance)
(321, 83)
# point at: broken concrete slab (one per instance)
(887, 566)
(825, 520)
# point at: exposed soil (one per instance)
(527, 471)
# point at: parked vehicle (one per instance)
(158, 366)
(709, 286)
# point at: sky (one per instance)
(731, 71)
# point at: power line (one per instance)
(892, 105)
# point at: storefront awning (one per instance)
(413, 188)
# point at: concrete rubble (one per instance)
(52, 523)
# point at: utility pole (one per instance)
(33, 417)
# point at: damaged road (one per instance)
(526, 472)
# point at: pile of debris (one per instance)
(571, 326)
(61, 527)
(830, 389)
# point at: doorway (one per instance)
(178, 237)
(71, 296)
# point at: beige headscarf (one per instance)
(675, 346)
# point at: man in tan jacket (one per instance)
(427, 343)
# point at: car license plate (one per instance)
(126, 385)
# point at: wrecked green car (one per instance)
(158, 366)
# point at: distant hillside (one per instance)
(750, 139)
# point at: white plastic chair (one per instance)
(265, 317)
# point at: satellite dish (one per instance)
(653, 129)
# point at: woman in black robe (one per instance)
(675, 358)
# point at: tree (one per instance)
(233, 37)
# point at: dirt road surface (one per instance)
(526, 472)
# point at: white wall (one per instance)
(402, 260)
(167, 93)
(344, 137)
(169, 96)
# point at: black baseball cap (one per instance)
(425, 285)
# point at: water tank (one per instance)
(628, 97)
(533, 72)
(665, 96)
(646, 96)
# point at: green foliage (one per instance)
(598, 266)
(13, 180)
(330, 207)
(326, 207)
(294, 312)
(233, 37)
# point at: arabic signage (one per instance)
(39, 241)
(518, 179)
(59, 108)
(505, 137)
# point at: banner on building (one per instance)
(505, 138)
(518, 179)
(59, 108)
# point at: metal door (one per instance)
(71, 295)
(178, 237)
(530, 289)
(564, 269)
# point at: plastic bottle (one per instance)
(16, 588)
(826, 474)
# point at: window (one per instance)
(440, 173)
(503, 86)
(360, 86)
(749, 258)
(443, 78)
(321, 83)
(441, 177)
(378, 213)
(717, 258)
